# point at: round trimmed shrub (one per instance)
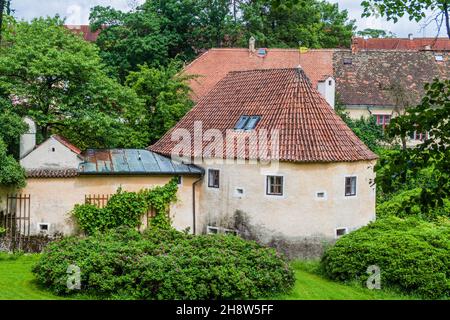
(413, 256)
(165, 264)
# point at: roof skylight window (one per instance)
(247, 122)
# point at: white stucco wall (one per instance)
(298, 213)
(51, 154)
(53, 199)
(327, 89)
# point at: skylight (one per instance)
(247, 122)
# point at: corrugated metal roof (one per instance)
(132, 161)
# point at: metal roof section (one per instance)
(133, 161)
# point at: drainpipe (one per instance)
(193, 204)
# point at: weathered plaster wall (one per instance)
(297, 222)
(53, 199)
(358, 111)
(43, 157)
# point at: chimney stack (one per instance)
(28, 139)
(410, 36)
(251, 44)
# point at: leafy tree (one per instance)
(314, 23)
(11, 173)
(365, 128)
(375, 33)
(415, 9)
(400, 166)
(58, 80)
(159, 31)
(11, 127)
(129, 39)
(166, 94)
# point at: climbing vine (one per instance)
(127, 209)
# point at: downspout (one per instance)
(193, 204)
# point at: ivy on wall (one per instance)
(127, 209)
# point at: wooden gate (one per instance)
(16, 221)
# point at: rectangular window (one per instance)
(240, 125)
(341, 232)
(350, 186)
(213, 178)
(419, 136)
(274, 185)
(247, 122)
(383, 119)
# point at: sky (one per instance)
(77, 12)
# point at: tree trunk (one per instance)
(447, 22)
(2, 9)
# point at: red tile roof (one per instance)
(309, 129)
(214, 65)
(52, 173)
(66, 143)
(436, 44)
(88, 35)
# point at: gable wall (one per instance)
(44, 158)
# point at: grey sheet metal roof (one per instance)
(132, 161)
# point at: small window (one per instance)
(330, 82)
(179, 180)
(43, 228)
(350, 186)
(439, 58)
(274, 185)
(262, 52)
(239, 192)
(213, 178)
(53, 149)
(241, 123)
(247, 122)
(212, 230)
(320, 195)
(348, 61)
(340, 232)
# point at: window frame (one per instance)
(210, 185)
(351, 194)
(268, 185)
(340, 228)
(244, 122)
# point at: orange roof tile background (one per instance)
(214, 65)
(436, 44)
(285, 99)
(88, 35)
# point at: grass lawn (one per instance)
(17, 283)
(310, 286)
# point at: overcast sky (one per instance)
(77, 12)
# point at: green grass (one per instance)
(17, 283)
(309, 285)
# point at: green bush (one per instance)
(126, 209)
(413, 255)
(399, 205)
(165, 264)
(2, 231)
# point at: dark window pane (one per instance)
(252, 122)
(241, 123)
(274, 185)
(213, 178)
(350, 186)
